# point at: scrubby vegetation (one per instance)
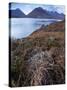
(39, 59)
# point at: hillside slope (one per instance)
(53, 27)
(40, 58)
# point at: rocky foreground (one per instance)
(40, 58)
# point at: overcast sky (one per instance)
(27, 8)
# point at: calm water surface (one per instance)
(23, 27)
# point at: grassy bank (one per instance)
(39, 59)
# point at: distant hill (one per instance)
(54, 27)
(17, 13)
(41, 13)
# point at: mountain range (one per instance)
(36, 13)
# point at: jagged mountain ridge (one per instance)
(39, 13)
(36, 13)
(42, 13)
